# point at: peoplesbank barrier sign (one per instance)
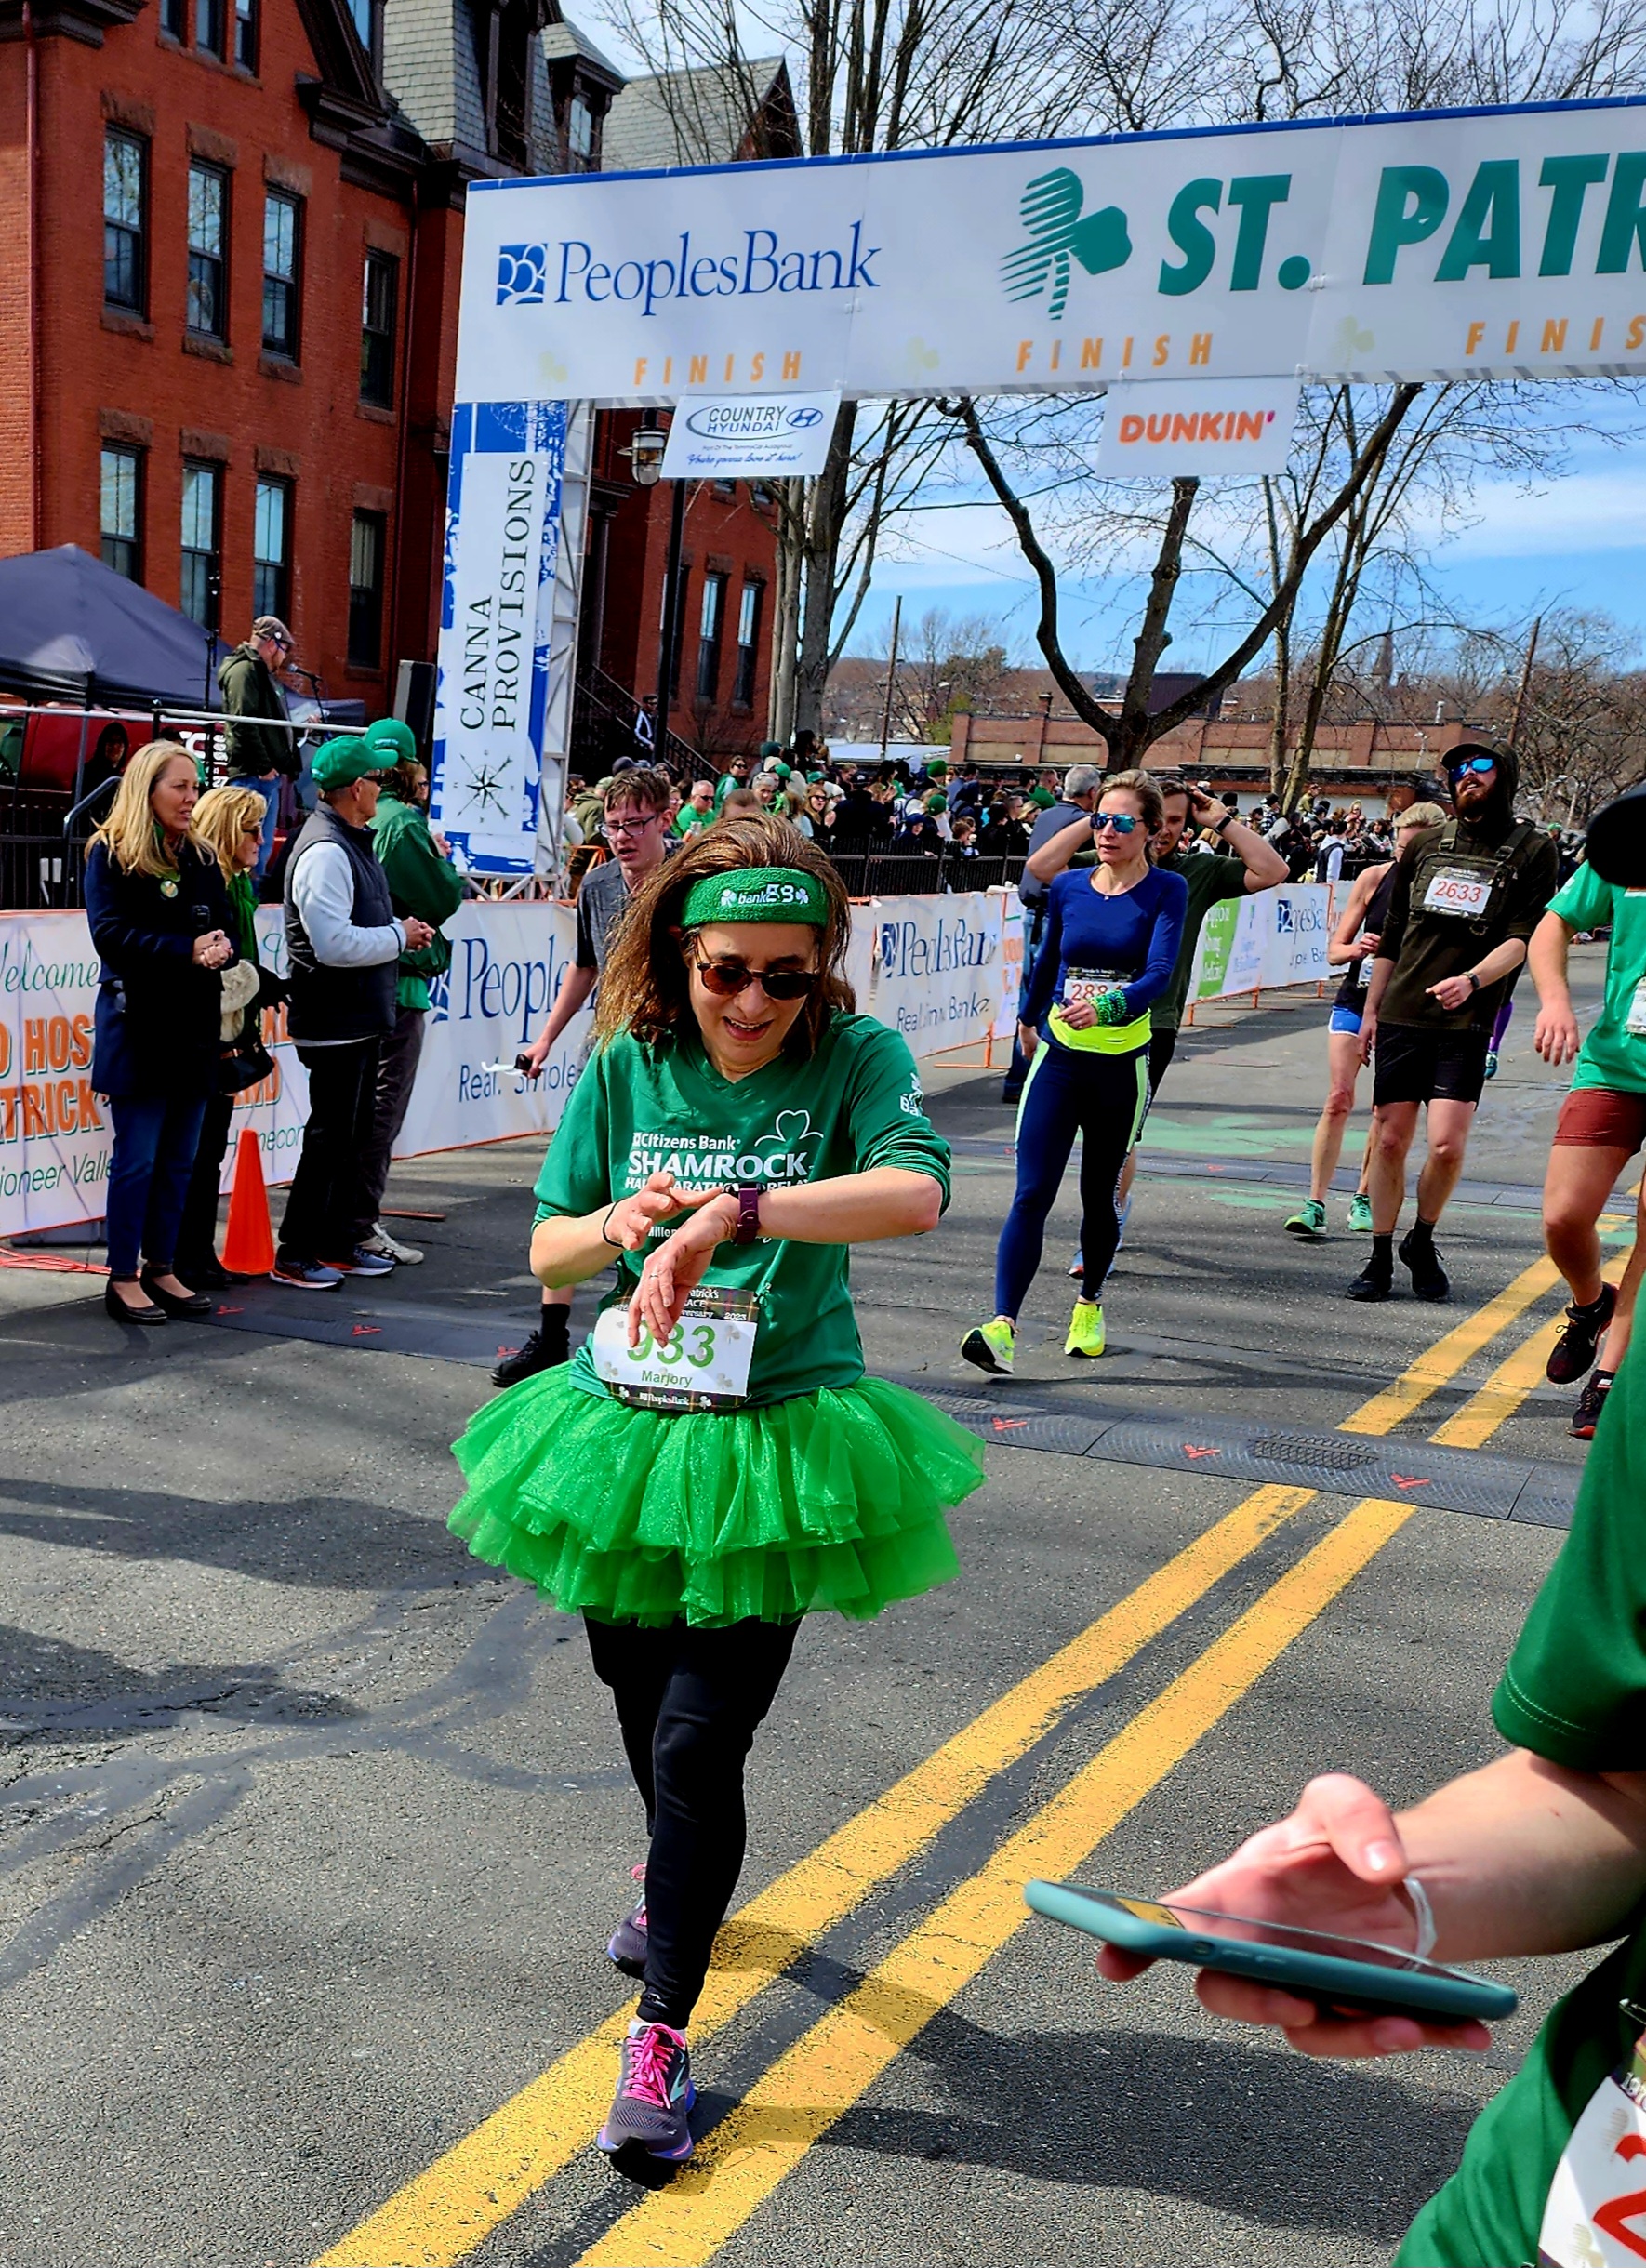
(1506, 242)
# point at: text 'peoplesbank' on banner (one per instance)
(502, 532)
(1506, 242)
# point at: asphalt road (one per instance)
(311, 1830)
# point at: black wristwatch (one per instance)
(1474, 982)
(747, 1193)
(1227, 820)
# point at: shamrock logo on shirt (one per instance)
(785, 1151)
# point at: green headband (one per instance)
(757, 893)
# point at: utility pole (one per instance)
(885, 720)
(1525, 692)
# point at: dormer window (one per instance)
(579, 135)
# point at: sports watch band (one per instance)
(749, 1194)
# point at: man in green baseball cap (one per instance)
(422, 880)
(343, 939)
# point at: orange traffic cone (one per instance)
(248, 1248)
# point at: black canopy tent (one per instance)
(71, 629)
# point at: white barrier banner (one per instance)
(937, 969)
(931, 967)
(1275, 938)
(1012, 926)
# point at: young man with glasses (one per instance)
(1466, 900)
(636, 824)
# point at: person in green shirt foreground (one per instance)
(714, 1464)
(1542, 1851)
(1602, 1125)
(422, 880)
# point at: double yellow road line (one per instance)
(446, 2212)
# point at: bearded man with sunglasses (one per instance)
(636, 824)
(1466, 898)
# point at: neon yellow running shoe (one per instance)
(1086, 1335)
(992, 1346)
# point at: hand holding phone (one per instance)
(1337, 1865)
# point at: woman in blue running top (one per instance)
(1108, 949)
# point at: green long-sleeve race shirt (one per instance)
(421, 883)
(854, 1105)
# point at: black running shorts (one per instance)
(1411, 1064)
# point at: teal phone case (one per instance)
(1450, 1995)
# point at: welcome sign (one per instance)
(1506, 242)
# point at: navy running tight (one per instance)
(1103, 1099)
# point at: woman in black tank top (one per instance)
(1353, 943)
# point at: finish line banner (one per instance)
(1506, 242)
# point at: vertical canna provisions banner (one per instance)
(496, 620)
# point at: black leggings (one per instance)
(689, 1703)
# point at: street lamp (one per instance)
(645, 453)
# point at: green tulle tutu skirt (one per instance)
(834, 1500)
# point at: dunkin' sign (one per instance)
(1152, 431)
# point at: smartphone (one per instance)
(1348, 1974)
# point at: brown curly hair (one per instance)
(644, 987)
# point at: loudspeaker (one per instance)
(414, 701)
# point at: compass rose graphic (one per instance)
(487, 784)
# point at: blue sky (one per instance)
(1578, 541)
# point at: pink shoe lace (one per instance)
(650, 2053)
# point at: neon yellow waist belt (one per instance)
(1102, 1038)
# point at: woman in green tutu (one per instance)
(714, 1464)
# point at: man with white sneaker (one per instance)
(343, 942)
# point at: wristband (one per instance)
(747, 1193)
(1227, 820)
(616, 1246)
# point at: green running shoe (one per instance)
(1360, 1214)
(1086, 1335)
(992, 1346)
(1309, 1220)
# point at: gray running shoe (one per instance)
(627, 1944)
(390, 1248)
(655, 2095)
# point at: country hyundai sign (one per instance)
(1188, 427)
(1506, 242)
(740, 437)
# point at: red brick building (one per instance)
(723, 645)
(231, 235)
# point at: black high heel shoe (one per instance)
(197, 1303)
(145, 1317)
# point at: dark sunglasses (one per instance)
(729, 978)
(1473, 764)
(1123, 822)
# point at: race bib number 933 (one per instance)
(703, 1365)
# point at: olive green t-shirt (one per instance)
(1429, 933)
(1574, 1692)
(854, 1105)
(1613, 1056)
(1212, 877)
